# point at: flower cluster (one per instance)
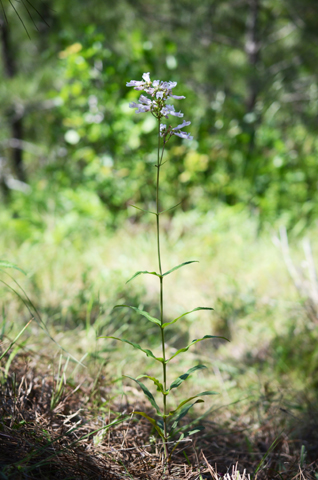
(159, 92)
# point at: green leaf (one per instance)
(184, 376)
(171, 208)
(141, 272)
(142, 210)
(173, 412)
(155, 381)
(197, 429)
(152, 421)
(186, 433)
(148, 394)
(5, 264)
(179, 266)
(192, 343)
(182, 414)
(186, 313)
(143, 313)
(135, 345)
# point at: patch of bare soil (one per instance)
(65, 439)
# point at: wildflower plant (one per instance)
(158, 93)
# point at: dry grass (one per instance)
(39, 442)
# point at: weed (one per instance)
(167, 426)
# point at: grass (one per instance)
(267, 376)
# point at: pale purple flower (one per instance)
(134, 83)
(145, 100)
(142, 108)
(168, 85)
(149, 90)
(184, 135)
(169, 110)
(159, 93)
(177, 131)
(133, 105)
(164, 131)
(146, 77)
(183, 124)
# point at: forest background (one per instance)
(74, 157)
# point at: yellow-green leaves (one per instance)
(153, 422)
(186, 313)
(141, 312)
(192, 343)
(184, 376)
(140, 273)
(179, 266)
(138, 347)
(156, 382)
(146, 392)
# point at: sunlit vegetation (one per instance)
(74, 158)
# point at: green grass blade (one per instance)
(16, 339)
(35, 314)
(184, 376)
(143, 272)
(141, 312)
(117, 421)
(176, 445)
(146, 392)
(179, 266)
(5, 264)
(138, 347)
(173, 412)
(186, 313)
(152, 421)
(192, 343)
(261, 463)
(155, 381)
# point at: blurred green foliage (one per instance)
(248, 71)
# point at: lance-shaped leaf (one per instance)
(142, 210)
(148, 394)
(192, 343)
(185, 432)
(186, 313)
(141, 312)
(179, 266)
(184, 376)
(143, 272)
(138, 347)
(171, 208)
(153, 422)
(182, 414)
(173, 412)
(155, 381)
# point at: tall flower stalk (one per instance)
(167, 425)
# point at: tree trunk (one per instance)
(16, 115)
(252, 48)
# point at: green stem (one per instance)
(164, 365)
